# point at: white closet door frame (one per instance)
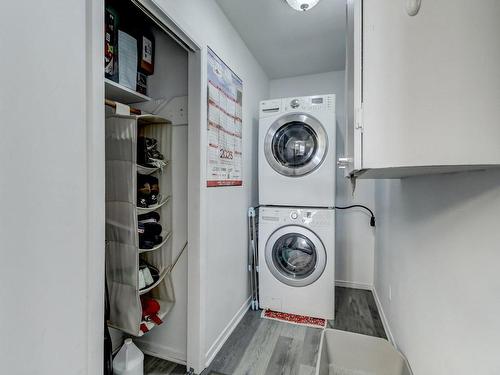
(196, 173)
(197, 214)
(95, 183)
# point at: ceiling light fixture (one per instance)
(302, 5)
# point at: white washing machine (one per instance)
(297, 260)
(297, 151)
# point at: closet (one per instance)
(146, 88)
(421, 92)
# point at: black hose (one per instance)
(372, 219)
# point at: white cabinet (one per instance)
(424, 90)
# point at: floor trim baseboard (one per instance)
(226, 332)
(385, 322)
(353, 284)
(161, 351)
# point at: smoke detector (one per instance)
(302, 5)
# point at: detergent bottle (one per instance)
(129, 360)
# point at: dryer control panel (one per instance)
(297, 104)
(270, 107)
(309, 103)
(310, 217)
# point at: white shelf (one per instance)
(141, 169)
(165, 308)
(166, 237)
(145, 210)
(122, 94)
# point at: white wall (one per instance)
(223, 226)
(52, 217)
(171, 68)
(354, 236)
(311, 84)
(438, 248)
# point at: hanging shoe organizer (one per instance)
(123, 252)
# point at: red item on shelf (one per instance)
(156, 319)
(150, 306)
(150, 309)
(146, 47)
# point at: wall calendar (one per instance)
(224, 124)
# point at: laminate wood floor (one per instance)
(356, 311)
(157, 366)
(268, 347)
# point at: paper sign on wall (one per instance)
(224, 124)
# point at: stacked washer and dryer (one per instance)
(297, 199)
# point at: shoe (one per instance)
(148, 191)
(142, 200)
(149, 233)
(148, 275)
(148, 153)
(150, 217)
(149, 243)
(149, 229)
(146, 244)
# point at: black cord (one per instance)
(372, 219)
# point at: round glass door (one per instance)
(295, 145)
(295, 256)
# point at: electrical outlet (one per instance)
(390, 293)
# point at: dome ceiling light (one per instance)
(302, 5)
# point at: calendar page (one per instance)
(224, 124)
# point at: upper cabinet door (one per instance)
(351, 159)
(431, 86)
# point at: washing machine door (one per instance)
(295, 145)
(295, 256)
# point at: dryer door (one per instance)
(295, 256)
(295, 145)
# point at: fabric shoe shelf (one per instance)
(163, 201)
(141, 169)
(123, 253)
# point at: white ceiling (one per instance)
(288, 43)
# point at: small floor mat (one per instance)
(301, 320)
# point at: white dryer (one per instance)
(297, 151)
(297, 261)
